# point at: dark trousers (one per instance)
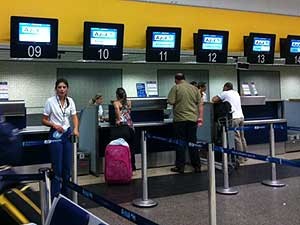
(186, 131)
(61, 159)
(127, 133)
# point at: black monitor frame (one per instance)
(266, 57)
(212, 55)
(285, 45)
(25, 49)
(163, 54)
(102, 52)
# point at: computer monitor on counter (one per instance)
(211, 46)
(163, 44)
(259, 48)
(103, 41)
(32, 37)
(290, 49)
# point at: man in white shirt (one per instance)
(233, 97)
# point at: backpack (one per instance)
(222, 110)
(118, 167)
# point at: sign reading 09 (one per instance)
(103, 41)
(32, 37)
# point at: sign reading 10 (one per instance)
(103, 53)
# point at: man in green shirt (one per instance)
(188, 113)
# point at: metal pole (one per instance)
(274, 182)
(212, 187)
(226, 190)
(45, 194)
(74, 170)
(144, 202)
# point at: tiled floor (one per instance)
(183, 199)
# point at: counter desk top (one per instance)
(267, 121)
(34, 130)
(141, 124)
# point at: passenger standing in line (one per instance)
(188, 112)
(58, 111)
(98, 100)
(233, 97)
(124, 126)
(202, 89)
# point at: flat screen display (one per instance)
(212, 42)
(103, 36)
(34, 32)
(295, 46)
(163, 39)
(261, 44)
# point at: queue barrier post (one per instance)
(45, 194)
(212, 186)
(273, 182)
(74, 179)
(226, 190)
(144, 202)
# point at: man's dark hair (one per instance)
(194, 83)
(228, 86)
(179, 76)
(202, 84)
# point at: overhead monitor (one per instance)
(32, 37)
(290, 49)
(259, 48)
(212, 46)
(103, 41)
(163, 44)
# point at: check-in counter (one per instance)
(14, 112)
(257, 117)
(147, 114)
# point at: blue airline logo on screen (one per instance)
(212, 42)
(163, 39)
(295, 46)
(34, 32)
(261, 44)
(103, 36)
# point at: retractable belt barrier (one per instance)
(270, 159)
(258, 127)
(38, 143)
(294, 128)
(178, 142)
(230, 151)
(125, 213)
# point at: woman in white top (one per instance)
(58, 111)
(98, 100)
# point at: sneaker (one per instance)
(177, 170)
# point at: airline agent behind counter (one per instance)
(57, 113)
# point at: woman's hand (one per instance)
(76, 132)
(59, 128)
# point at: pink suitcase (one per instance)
(118, 168)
